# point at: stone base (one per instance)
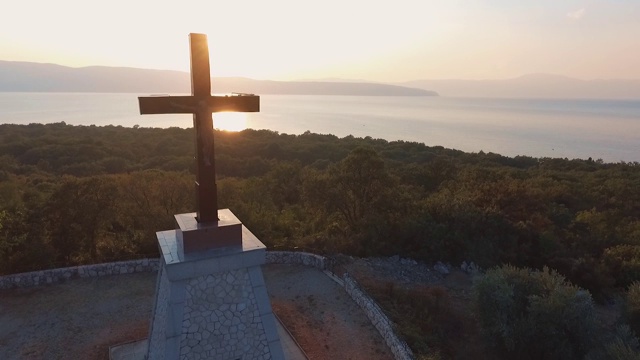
(194, 236)
(212, 304)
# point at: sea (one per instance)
(597, 129)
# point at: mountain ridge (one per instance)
(16, 76)
(538, 85)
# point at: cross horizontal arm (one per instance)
(192, 105)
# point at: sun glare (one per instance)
(230, 121)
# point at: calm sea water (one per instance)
(605, 129)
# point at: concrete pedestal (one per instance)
(212, 303)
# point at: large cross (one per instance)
(201, 104)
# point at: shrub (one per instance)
(425, 318)
(588, 273)
(526, 314)
(623, 262)
(623, 345)
(632, 307)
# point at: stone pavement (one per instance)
(137, 350)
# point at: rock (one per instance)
(441, 268)
(395, 258)
(464, 267)
(410, 262)
(473, 269)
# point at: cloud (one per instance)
(577, 14)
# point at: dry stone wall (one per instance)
(300, 258)
(53, 276)
(399, 348)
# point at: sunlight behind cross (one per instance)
(230, 121)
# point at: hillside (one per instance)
(35, 77)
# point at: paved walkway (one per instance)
(137, 350)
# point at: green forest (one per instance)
(85, 194)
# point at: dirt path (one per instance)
(324, 320)
(80, 319)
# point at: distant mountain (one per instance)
(26, 76)
(333, 79)
(225, 85)
(534, 86)
(37, 77)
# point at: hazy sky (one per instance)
(378, 40)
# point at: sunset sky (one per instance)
(387, 41)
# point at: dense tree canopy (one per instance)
(82, 194)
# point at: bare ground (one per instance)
(324, 320)
(78, 319)
(81, 318)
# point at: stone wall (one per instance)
(399, 348)
(301, 258)
(53, 276)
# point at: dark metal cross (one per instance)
(201, 104)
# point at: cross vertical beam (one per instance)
(206, 187)
(201, 104)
